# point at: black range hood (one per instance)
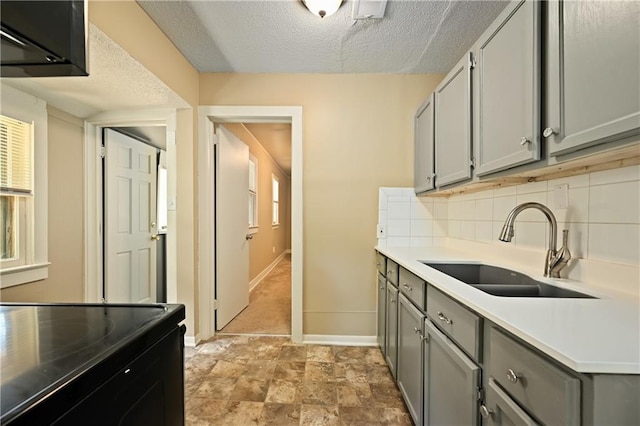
(43, 38)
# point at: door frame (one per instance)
(93, 241)
(207, 115)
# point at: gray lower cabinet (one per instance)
(382, 320)
(500, 409)
(453, 125)
(507, 90)
(541, 388)
(391, 340)
(593, 64)
(409, 371)
(451, 382)
(424, 171)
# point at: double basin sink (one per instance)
(502, 282)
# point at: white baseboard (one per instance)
(339, 340)
(191, 341)
(254, 282)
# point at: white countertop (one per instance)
(587, 335)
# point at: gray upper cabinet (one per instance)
(453, 125)
(424, 147)
(507, 90)
(592, 73)
(451, 382)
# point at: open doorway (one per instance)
(209, 267)
(266, 201)
(155, 130)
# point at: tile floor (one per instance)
(253, 380)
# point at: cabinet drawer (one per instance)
(413, 287)
(540, 387)
(462, 325)
(392, 272)
(381, 263)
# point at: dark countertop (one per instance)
(47, 348)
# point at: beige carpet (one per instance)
(269, 310)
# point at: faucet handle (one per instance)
(561, 257)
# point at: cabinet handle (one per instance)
(416, 330)
(407, 287)
(428, 178)
(549, 131)
(524, 141)
(512, 376)
(485, 412)
(441, 317)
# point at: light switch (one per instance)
(381, 231)
(561, 196)
(171, 204)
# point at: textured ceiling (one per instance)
(281, 36)
(116, 81)
(275, 138)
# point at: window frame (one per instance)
(275, 201)
(21, 106)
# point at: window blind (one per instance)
(16, 156)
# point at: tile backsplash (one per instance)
(602, 216)
(410, 221)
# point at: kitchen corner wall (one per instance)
(358, 136)
(603, 218)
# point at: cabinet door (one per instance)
(593, 64)
(501, 410)
(453, 125)
(410, 322)
(451, 382)
(391, 341)
(423, 146)
(507, 90)
(148, 390)
(382, 309)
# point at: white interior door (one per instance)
(232, 224)
(130, 216)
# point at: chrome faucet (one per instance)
(556, 260)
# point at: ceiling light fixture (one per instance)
(322, 8)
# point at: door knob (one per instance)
(248, 236)
(155, 237)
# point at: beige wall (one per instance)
(128, 25)
(65, 140)
(269, 242)
(358, 136)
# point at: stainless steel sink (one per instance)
(502, 282)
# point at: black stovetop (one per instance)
(44, 346)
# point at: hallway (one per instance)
(269, 310)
